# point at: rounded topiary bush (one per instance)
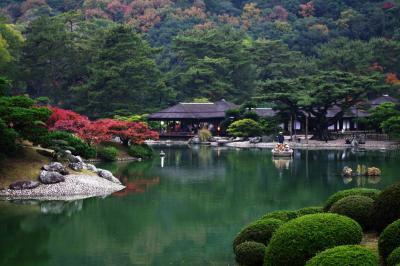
(389, 240)
(260, 231)
(345, 256)
(358, 208)
(394, 257)
(281, 215)
(309, 210)
(107, 153)
(140, 151)
(250, 253)
(387, 207)
(367, 192)
(300, 239)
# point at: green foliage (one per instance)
(389, 239)
(260, 231)
(61, 141)
(371, 193)
(357, 207)
(309, 210)
(107, 153)
(141, 151)
(281, 215)
(392, 127)
(302, 238)
(382, 113)
(7, 139)
(345, 256)
(245, 128)
(387, 207)
(250, 253)
(394, 257)
(204, 135)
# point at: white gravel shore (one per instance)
(75, 187)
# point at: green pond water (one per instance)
(185, 213)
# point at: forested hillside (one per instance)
(107, 57)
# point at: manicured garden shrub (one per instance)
(389, 240)
(60, 141)
(245, 128)
(204, 135)
(250, 253)
(300, 239)
(309, 210)
(394, 257)
(281, 215)
(107, 153)
(367, 192)
(260, 231)
(7, 139)
(140, 151)
(387, 207)
(358, 208)
(345, 256)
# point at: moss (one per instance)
(345, 256)
(394, 257)
(281, 215)
(250, 253)
(260, 231)
(300, 239)
(371, 193)
(387, 207)
(358, 208)
(389, 240)
(309, 210)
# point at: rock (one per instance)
(56, 167)
(20, 185)
(68, 152)
(373, 171)
(347, 171)
(195, 140)
(91, 167)
(108, 175)
(48, 177)
(76, 166)
(79, 159)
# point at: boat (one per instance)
(282, 150)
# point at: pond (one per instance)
(184, 213)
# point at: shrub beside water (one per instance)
(387, 207)
(371, 193)
(300, 239)
(345, 256)
(356, 207)
(143, 151)
(250, 253)
(107, 153)
(309, 210)
(60, 141)
(260, 231)
(389, 240)
(394, 257)
(281, 215)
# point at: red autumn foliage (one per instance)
(307, 9)
(66, 120)
(392, 79)
(388, 5)
(376, 67)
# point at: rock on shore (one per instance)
(74, 187)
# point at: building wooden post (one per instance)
(291, 127)
(307, 128)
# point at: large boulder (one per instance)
(91, 167)
(49, 177)
(108, 175)
(55, 167)
(76, 166)
(20, 185)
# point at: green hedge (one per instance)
(358, 208)
(345, 256)
(371, 193)
(260, 231)
(107, 153)
(281, 215)
(250, 254)
(394, 257)
(309, 210)
(387, 207)
(7, 139)
(60, 140)
(300, 239)
(140, 151)
(389, 240)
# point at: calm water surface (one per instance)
(185, 213)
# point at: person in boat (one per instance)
(281, 138)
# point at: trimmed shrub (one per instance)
(245, 128)
(345, 256)
(281, 215)
(309, 210)
(358, 208)
(260, 231)
(107, 153)
(300, 239)
(389, 240)
(367, 192)
(387, 207)
(205, 135)
(250, 253)
(61, 141)
(143, 151)
(394, 257)
(7, 139)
